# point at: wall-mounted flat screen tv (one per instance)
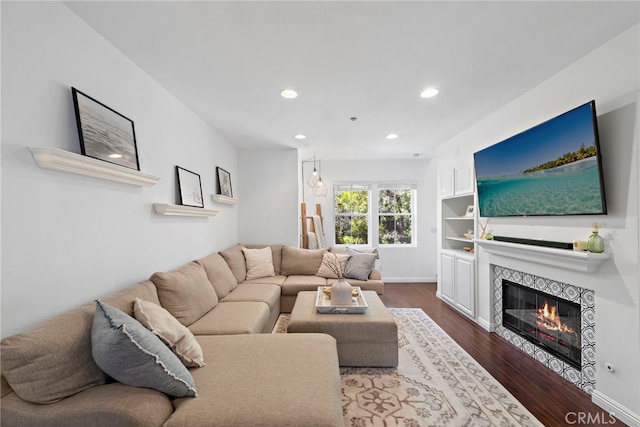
(554, 168)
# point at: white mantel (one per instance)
(572, 260)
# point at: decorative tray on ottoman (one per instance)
(323, 302)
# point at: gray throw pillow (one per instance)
(133, 355)
(359, 265)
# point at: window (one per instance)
(351, 214)
(395, 215)
(392, 221)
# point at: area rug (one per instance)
(436, 383)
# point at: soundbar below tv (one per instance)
(534, 242)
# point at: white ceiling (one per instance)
(228, 61)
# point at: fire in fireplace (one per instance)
(547, 321)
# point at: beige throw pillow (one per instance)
(339, 260)
(259, 263)
(173, 333)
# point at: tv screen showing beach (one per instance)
(551, 169)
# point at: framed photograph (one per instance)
(190, 188)
(469, 212)
(224, 182)
(104, 133)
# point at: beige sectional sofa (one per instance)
(50, 375)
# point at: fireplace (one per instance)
(548, 321)
(538, 343)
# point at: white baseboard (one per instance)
(488, 326)
(619, 411)
(386, 279)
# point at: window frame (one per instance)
(373, 212)
(352, 187)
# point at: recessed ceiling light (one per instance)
(300, 136)
(288, 93)
(392, 136)
(429, 92)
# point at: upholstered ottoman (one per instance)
(368, 339)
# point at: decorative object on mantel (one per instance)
(484, 234)
(65, 161)
(224, 182)
(190, 188)
(579, 245)
(595, 243)
(104, 133)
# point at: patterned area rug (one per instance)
(435, 384)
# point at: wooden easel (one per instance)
(310, 227)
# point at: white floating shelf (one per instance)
(565, 258)
(180, 210)
(65, 161)
(219, 198)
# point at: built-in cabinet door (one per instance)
(446, 184)
(463, 181)
(465, 285)
(447, 277)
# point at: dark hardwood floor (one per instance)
(546, 395)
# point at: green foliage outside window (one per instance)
(351, 210)
(351, 217)
(394, 217)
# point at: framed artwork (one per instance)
(469, 212)
(224, 182)
(190, 188)
(104, 133)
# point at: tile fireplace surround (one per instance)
(584, 378)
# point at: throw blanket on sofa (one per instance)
(319, 234)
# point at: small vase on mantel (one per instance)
(341, 292)
(595, 243)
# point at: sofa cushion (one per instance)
(241, 317)
(128, 352)
(259, 263)
(219, 274)
(289, 380)
(295, 284)
(113, 404)
(53, 360)
(296, 261)
(236, 262)
(331, 264)
(261, 292)
(360, 265)
(185, 292)
(272, 280)
(171, 332)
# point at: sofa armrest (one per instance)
(375, 275)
